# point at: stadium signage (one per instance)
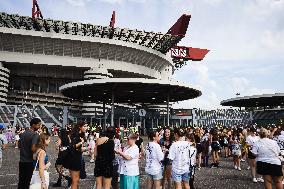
(188, 53)
(180, 52)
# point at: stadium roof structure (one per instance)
(130, 90)
(157, 41)
(276, 99)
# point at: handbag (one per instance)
(36, 180)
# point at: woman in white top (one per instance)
(129, 168)
(179, 155)
(154, 156)
(250, 140)
(268, 163)
(193, 157)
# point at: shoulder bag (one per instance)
(36, 180)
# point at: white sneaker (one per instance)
(254, 180)
(236, 167)
(248, 168)
(260, 179)
(242, 160)
(92, 161)
(239, 168)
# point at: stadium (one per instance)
(38, 56)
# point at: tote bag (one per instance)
(36, 181)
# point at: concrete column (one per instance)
(112, 109)
(65, 116)
(168, 113)
(104, 115)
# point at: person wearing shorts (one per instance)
(154, 157)
(268, 163)
(236, 150)
(179, 155)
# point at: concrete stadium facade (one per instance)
(39, 55)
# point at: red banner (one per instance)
(188, 53)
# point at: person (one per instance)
(9, 134)
(205, 148)
(197, 139)
(140, 144)
(251, 139)
(74, 160)
(27, 145)
(154, 156)
(236, 149)
(17, 135)
(104, 153)
(91, 146)
(268, 162)
(62, 143)
(129, 168)
(166, 143)
(40, 160)
(192, 155)
(3, 143)
(224, 142)
(215, 146)
(115, 174)
(179, 155)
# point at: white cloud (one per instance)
(78, 3)
(214, 2)
(256, 91)
(264, 8)
(274, 40)
(112, 1)
(239, 84)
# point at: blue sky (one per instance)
(246, 38)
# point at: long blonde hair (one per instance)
(42, 138)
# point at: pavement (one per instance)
(224, 177)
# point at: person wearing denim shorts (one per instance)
(179, 155)
(154, 157)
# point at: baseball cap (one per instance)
(2, 126)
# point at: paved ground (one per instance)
(224, 177)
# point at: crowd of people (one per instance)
(172, 155)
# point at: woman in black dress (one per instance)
(104, 153)
(74, 159)
(166, 143)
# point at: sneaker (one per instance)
(213, 165)
(239, 169)
(260, 179)
(236, 167)
(248, 168)
(69, 181)
(198, 168)
(254, 180)
(242, 160)
(92, 161)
